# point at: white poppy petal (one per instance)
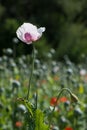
(29, 27)
(41, 29)
(28, 33)
(20, 35)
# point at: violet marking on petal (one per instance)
(28, 37)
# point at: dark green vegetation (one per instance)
(65, 22)
(49, 76)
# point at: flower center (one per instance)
(28, 37)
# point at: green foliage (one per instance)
(29, 106)
(34, 117)
(2, 10)
(73, 42)
(71, 7)
(43, 47)
(11, 25)
(39, 121)
(49, 77)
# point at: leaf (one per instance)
(28, 105)
(39, 121)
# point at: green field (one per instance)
(49, 77)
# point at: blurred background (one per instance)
(65, 22)
(60, 62)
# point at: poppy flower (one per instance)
(53, 101)
(18, 124)
(68, 128)
(63, 99)
(28, 33)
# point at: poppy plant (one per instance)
(29, 33)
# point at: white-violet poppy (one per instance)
(28, 33)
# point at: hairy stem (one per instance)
(33, 57)
(63, 89)
(58, 96)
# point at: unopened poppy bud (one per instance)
(74, 98)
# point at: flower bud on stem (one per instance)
(74, 98)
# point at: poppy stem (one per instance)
(31, 74)
(58, 96)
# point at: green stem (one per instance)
(59, 94)
(33, 57)
(63, 89)
(36, 98)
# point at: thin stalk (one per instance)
(33, 58)
(36, 98)
(58, 96)
(63, 89)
